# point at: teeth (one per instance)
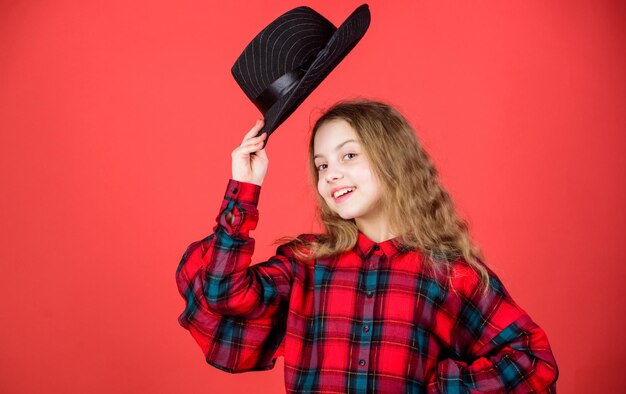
(342, 192)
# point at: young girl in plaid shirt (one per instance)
(393, 298)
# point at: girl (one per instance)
(393, 298)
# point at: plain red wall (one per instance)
(118, 118)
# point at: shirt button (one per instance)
(361, 362)
(370, 294)
(366, 329)
(235, 190)
(376, 247)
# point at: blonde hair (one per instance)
(418, 208)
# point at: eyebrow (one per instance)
(336, 149)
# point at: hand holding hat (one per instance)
(288, 59)
(249, 159)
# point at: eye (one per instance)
(349, 155)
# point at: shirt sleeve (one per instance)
(234, 311)
(494, 345)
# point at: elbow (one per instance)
(544, 371)
(546, 366)
(547, 373)
(220, 296)
(225, 297)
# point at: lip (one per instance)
(345, 196)
(334, 189)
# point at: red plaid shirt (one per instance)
(370, 320)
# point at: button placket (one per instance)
(370, 280)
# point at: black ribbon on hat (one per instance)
(280, 88)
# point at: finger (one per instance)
(248, 147)
(259, 137)
(255, 140)
(261, 153)
(255, 129)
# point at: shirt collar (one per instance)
(365, 245)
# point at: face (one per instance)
(343, 166)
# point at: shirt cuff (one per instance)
(243, 192)
(241, 199)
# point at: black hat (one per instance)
(288, 59)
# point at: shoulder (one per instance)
(466, 280)
(300, 247)
(463, 278)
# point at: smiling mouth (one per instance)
(343, 194)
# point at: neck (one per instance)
(377, 232)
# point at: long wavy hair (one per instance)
(419, 210)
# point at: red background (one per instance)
(118, 118)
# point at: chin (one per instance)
(345, 212)
(346, 215)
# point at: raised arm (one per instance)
(234, 311)
(218, 269)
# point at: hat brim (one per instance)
(340, 44)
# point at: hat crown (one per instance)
(292, 41)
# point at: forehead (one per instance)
(331, 134)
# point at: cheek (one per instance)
(320, 189)
(373, 185)
(367, 176)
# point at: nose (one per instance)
(332, 174)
